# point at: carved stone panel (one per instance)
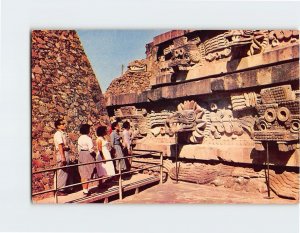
(278, 118)
(137, 66)
(188, 118)
(136, 118)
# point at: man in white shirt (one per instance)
(62, 154)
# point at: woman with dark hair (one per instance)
(115, 140)
(104, 147)
(118, 120)
(62, 154)
(86, 153)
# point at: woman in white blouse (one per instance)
(86, 153)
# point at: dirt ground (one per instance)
(190, 193)
(182, 192)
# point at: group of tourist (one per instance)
(109, 144)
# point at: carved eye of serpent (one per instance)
(180, 116)
(191, 116)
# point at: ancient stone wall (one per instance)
(135, 80)
(245, 179)
(230, 96)
(229, 87)
(63, 85)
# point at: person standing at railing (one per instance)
(115, 140)
(104, 148)
(118, 120)
(86, 155)
(62, 154)
(127, 139)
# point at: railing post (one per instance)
(120, 180)
(161, 167)
(55, 186)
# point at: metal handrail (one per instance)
(81, 164)
(150, 151)
(55, 189)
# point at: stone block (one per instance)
(217, 84)
(269, 58)
(261, 76)
(236, 154)
(163, 79)
(155, 94)
(285, 72)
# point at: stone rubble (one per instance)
(129, 83)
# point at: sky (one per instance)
(107, 50)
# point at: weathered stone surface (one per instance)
(285, 184)
(247, 79)
(131, 82)
(255, 61)
(240, 178)
(228, 94)
(168, 35)
(218, 53)
(63, 85)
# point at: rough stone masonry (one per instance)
(227, 96)
(63, 85)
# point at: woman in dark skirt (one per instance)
(86, 153)
(115, 140)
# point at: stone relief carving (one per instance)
(222, 122)
(272, 115)
(241, 101)
(221, 46)
(190, 117)
(137, 66)
(259, 42)
(247, 123)
(164, 66)
(143, 123)
(186, 52)
(136, 118)
(278, 118)
(182, 55)
(198, 122)
(283, 36)
(156, 122)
